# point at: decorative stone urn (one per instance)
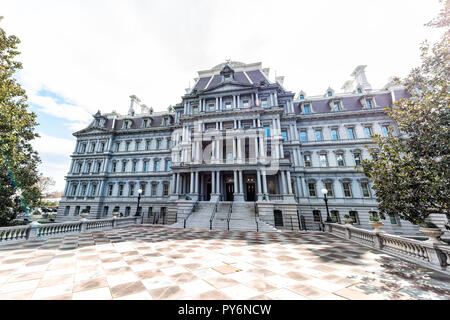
(84, 215)
(433, 234)
(115, 214)
(348, 220)
(377, 225)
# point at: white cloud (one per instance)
(96, 53)
(52, 145)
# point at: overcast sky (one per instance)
(84, 56)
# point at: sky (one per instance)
(83, 56)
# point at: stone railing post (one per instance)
(33, 232)
(436, 257)
(114, 221)
(348, 234)
(377, 241)
(83, 225)
(328, 227)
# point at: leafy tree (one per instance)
(411, 171)
(18, 160)
(45, 183)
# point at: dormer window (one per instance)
(145, 123)
(302, 97)
(307, 109)
(329, 94)
(369, 104)
(336, 106)
(359, 90)
(127, 124)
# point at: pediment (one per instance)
(228, 86)
(92, 130)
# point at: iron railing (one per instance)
(230, 211)
(213, 214)
(256, 217)
(189, 214)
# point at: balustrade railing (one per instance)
(37, 231)
(436, 256)
(230, 212)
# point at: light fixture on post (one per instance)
(325, 191)
(139, 200)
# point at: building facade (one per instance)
(236, 137)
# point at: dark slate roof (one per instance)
(382, 100)
(137, 122)
(201, 84)
(256, 76)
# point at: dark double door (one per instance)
(251, 193)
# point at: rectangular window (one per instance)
(165, 189)
(267, 130)
(131, 190)
(245, 103)
(114, 166)
(340, 160)
(347, 189)
(127, 211)
(79, 168)
(368, 132)
(105, 210)
(334, 134)
(127, 146)
(306, 109)
(284, 135)
(312, 189)
(329, 187)
(102, 147)
(212, 107)
(77, 211)
(120, 189)
(351, 133)
(158, 144)
(357, 157)
(156, 165)
(83, 190)
(318, 135)
(323, 160)
(93, 190)
(385, 130)
(110, 190)
(143, 189)
(153, 190)
(66, 210)
(168, 165)
(88, 169)
(195, 110)
(354, 216)
(146, 163)
(227, 105)
(124, 166)
(365, 189)
(335, 216)
(317, 216)
(147, 145)
(264, 103)
(74, 189)
(307, 159)
(369, 104)
(134, 166)
(393, 219)
(137, 145)
(303, 136)
(117, 146)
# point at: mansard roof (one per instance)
(350, 102)
(253, 77)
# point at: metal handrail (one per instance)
(292, 225)
(230, 211)
(256, 220)
(213, 214)
(189, 214)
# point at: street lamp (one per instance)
(325, 191)
(139, 200)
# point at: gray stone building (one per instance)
(242, 142)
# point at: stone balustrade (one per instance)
(425, 253)
(36, 231)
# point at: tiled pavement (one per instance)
(164, 263)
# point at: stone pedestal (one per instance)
(215, 197)
(238, 197)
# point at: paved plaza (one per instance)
(156, 262)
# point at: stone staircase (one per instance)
(242, 217)
(199, 217)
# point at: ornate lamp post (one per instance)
(325, 191)
(139, 200)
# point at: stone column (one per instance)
(264, 180)
(299, 187)
(234, 149)
(178, 183)
(220, 103)
(173, 187)
(238, 101)
(213, 182)
(258, 182)
(196, 182)
(192, 183)
(241, 183)
(288, 178)
(239, 149)
(261, 147)
(217, 103)
(256, 149)
(282, 182)
(218, 182)
(236, 188)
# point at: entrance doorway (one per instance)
(278, 217)
(229, 189)
(251, 195)
(208, 191)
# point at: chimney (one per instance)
(134, 103)
(348, 86)
(360, 77)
